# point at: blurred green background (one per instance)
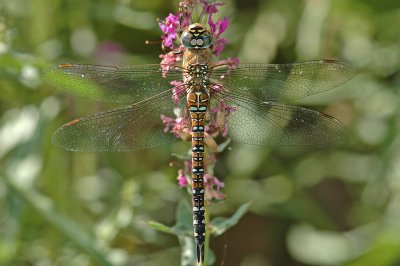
(332, 206)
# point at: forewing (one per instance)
(282, 81)
(133, 127)
(111, 84)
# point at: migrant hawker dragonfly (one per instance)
(252, 91)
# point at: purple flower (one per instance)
(182, 179)
(231, 63)
(219, 27)
(213, 187)
(217, 88)
(219, 45)
(222, 107)
(178, 126)
(169, 122)
(210, 7)
(222, 111)
(185, 12)
(168, 61)
(178, 91)
(169, 26)
(168, 39)
(212, 129)
(181, 128)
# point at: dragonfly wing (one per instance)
(274, 124)
(111, 84)
(283, 81)
(133, 127)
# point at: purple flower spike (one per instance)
(182, 179)
(210, 7)
(223, 108)
(213, 187)
(169, 26)
(178, 91)
(169, 122)
(219, 45)
(178, 126)
(219, 27)
(168, 61)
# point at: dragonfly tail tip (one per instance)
(200, 253)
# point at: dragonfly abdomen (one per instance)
(198, 99)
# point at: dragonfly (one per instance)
(255, 92)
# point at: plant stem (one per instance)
(207, 242)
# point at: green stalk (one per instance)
(207, 242)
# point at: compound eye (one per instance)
(187, 40)
(206, 40)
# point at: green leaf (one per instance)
(183, 226)
(182, 156)
(68, 227)
(223, 145)
(210, 257)
(384, 249)
(161, 227)
(174, 230)
(184, 220)
(219, 225)
(188, 254)
(184, 217)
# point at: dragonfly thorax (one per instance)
(198, 70)
(197, 78)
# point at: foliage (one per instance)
(310, 206)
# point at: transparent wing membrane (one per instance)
(274, 124)
(133, 127)
(251, 89)
(283, 81)
(111, 84)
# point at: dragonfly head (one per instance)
(196, 37)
